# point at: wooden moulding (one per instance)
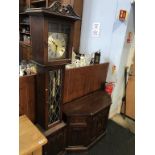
(55, 9)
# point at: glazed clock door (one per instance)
(54, 96)
(58, 39)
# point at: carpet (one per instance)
(117, 141)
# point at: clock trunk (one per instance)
(49, 95)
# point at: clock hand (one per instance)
(56, 46)
(53, 42)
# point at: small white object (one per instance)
(21, 71)
(77, 63)
(82, 61)
(96, 29)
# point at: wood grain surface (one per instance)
(30, 138)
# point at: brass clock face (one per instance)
(57, 43)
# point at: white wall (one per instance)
(122, 60)
(102, 11)
(111, 40)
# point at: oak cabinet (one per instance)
(86, 118)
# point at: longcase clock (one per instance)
(51, 36)
(52, 33)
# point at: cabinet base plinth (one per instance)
(56, 140)
(84, 148)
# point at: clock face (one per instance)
(57, 43)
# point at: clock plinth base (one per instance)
(56, 139)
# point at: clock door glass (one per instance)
(57, 40)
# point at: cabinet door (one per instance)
(27, 96)
(99, 123)
(77, 136)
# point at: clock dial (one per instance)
(56, 45)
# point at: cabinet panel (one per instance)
(56, 143)
(83, 80)
(77, 136)
(27, 96)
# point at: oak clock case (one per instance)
(51, 33)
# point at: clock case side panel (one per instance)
(42, 104)
(42, 95)
(39, 34)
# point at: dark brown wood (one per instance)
(22, 5)
(39, 31)
(78, 8)
(83, 80)
(25, 48)
(42, 80)
(56, 139)
(27, 101)
(25, 51)
(86, 119)
(81, 106)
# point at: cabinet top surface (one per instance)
(30, 138)
(88, 105)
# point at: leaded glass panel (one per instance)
(54, 96)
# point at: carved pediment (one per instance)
(56, 8)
